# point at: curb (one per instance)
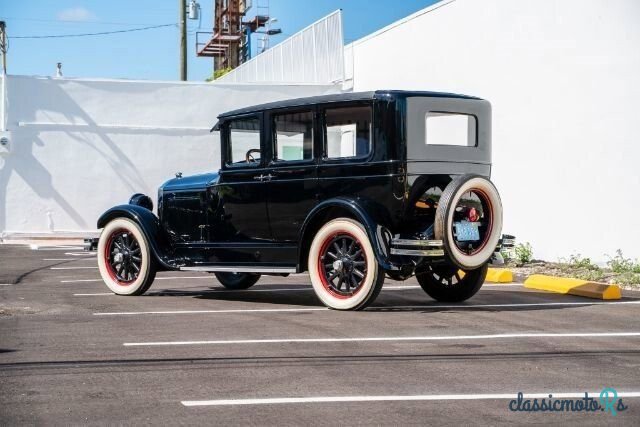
(499, 275)
(564, 285)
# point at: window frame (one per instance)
(323, 125)
(273, 161)
(228, 164)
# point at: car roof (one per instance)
(341, 97)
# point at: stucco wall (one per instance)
(82, 146)
(562, 77)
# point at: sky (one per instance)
(154, 54)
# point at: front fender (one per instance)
(365, 213)
(148, 222)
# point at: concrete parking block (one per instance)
(499, 275)
(564, 285)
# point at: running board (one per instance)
(241, 269)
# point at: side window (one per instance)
(348, 131)
(293, 136)
(244, 141)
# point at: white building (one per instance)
(561, 76)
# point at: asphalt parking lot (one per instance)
(190, 352)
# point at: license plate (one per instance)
(467, 231)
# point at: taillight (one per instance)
(472, 215)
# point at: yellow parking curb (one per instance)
(499, 275)
(578, 287)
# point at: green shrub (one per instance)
(620, 264)
(523, 253)
(628, 278)
(577, 261)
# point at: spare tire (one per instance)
(467, 204)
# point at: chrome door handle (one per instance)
(263, 177)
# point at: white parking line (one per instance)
(395, 398)
(54, 248)
(378, 339)
(96, 294)
(73, 268)
(248, 310)
(6, 284)
(525, 304)
(93, 258)
(157, 278)
(374, 308)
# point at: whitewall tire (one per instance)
(342, 265)
(486, 195)
(124, 258)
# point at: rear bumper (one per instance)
(417, 247)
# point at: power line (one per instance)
(57, 36)
(68, 21)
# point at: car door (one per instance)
(349, 166)
(238, 201)
(292, 171)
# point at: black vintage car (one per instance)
(348, 187)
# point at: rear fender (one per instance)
(363, 212)
(150, 225)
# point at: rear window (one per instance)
(450, 129)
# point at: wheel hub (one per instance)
(123, 255)
(343, 265)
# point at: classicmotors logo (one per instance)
(607, 401)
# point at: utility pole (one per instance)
(3, 46)
(183, 40)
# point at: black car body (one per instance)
(290, 167)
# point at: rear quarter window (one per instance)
(450, 129)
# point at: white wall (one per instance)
(82, 146)
(563, 77)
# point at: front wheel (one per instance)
(124, 258)
(342, 265)
(237, 281)
(447, 283)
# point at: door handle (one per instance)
(263, 177)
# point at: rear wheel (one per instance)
(448, 283)
(124, 258)
(342, 265)
(237, 281)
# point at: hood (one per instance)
(193, 182)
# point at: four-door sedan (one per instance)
(351, 188)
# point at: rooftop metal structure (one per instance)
(229, 44)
